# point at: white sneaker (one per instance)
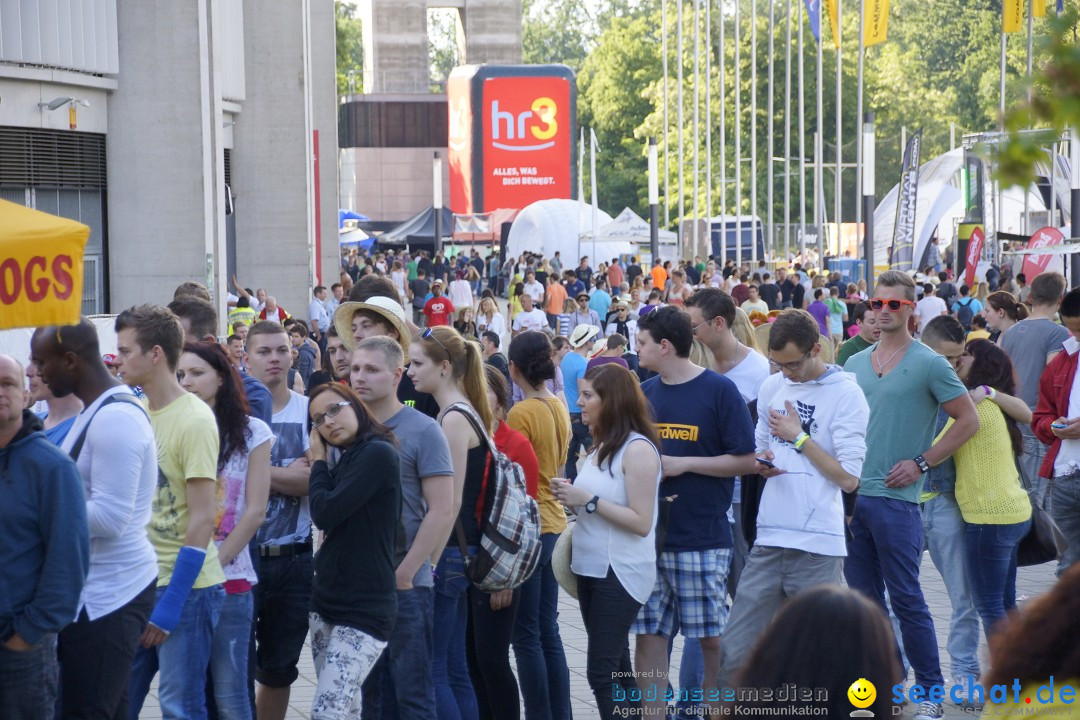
(928, 710)
(961, 686)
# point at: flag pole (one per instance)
(770, 246)
(697, 124)
(708, 130)
(753, 136)
(787, 133)
(819, 179)
(1001, 125)
(679, 120)
(667, 123)
(860, 229)
(723, 135)
(802, 142)
(839, 186)
(738, 142)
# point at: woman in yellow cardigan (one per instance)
(996, 509)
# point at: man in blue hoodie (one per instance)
(44, 552)
(811, 430)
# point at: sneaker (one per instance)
(960, 684)
(928, 710)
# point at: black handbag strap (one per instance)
(115, 398)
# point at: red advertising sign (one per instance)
(1035, 264)
(460, 143)
(527, 142)
(974, 252)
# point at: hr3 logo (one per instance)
(508, 131)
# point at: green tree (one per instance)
(350, 47)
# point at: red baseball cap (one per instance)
(109, 359)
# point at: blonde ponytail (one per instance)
(474, 383)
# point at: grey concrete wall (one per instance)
(324, 115)
(492, 32)
(390, 184)
(157, 200)
(395, 46)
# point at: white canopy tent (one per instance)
(563, 226)
(630, 226)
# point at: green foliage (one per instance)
(443, 51)
(350, 47)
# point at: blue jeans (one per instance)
(454, 696)
(538, 649)
(885, 551)
(943, 526)
(229, 657)
(579, 439)
(182, 659)
(991, 568)
(1063, 504)
(28, 681)
(1030, 462)
(400, 685)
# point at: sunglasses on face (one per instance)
(894, 305)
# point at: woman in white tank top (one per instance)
(614, 541)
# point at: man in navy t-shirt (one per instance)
(708, 439)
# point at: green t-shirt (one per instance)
(903, 414)
(411, 269)
(854, 345)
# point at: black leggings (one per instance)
(487, 647)
(608, 611)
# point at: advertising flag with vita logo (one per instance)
(904, 230)
(1012, 15)
(875, 22)
(813, 9)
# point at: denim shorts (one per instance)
(282, 602)
(688, 595)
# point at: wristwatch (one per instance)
(924, 466)
(590, 507)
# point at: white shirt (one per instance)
(534, 319)
(497, 325)
(929, 308)
(597, 544)
(1068, 457)
(118, 465)
(748, 375)
(317, 312)
(536, 290)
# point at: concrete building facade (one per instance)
(206, 144)
(389, 134)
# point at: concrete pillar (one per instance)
(492, 31)
(395, 46)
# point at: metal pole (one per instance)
(819, 143)
(1001, 121)
(1030, 87)
(697, 125)
(802, 143)
(667, 124)
(753, 136)
(679, 119)
(654, 203)
(952, 135)
(868, 194)
(771, 224)
(838, 200)
(437, 201)
(859, 114)
(708, 130)
(787, 134)
(1053, 184)
(723, 139)
(1074, 184)
(819, 201)
(738, 141)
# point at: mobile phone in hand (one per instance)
(766, 463)
(1059, 426)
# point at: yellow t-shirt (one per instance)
(546, 423)
(988, 487)
(978, 335)
(187, 445)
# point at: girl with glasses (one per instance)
(358, 505)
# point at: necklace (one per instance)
(881, 370)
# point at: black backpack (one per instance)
(965, 314)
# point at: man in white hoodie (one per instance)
(811, 433)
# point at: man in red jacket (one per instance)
(1057, 423)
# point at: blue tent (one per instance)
(343, 215)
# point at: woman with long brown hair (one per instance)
(1002, 311)
(358, 505)
(614, 544)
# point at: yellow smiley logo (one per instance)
(862, 693)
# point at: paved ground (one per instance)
(1029, 583)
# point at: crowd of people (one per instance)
(720, 448)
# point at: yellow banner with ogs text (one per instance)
(875, 22)
(833, 10)
(1012, 15)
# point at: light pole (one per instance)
(868, 194)
(654, 202)
(436, 189)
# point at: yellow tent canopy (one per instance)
(41, 268)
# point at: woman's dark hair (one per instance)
(1040, 639)
(366, 425)
(519, 289)
(802, 647)
(533, 356)
(497, 384)
(558, 342)
(1002, 300)
(231, 407)
(623, 409)
(993, 367)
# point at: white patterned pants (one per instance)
(343, 658)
